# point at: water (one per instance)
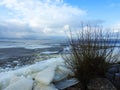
(26, 52)
(28, 44)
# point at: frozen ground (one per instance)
(39, 76)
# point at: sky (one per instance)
(44, 18)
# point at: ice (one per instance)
(66, 49)
(22, 84)
(39, 75)
(46, 76)
(49, 52)
(36, 46)
(15, 61)
(5, 80)
(45, 87)
(61, 73)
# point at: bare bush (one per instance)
(91, 52)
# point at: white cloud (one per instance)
(116, 27)
(66, 27)
(45, 16)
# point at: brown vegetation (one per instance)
(91, 52)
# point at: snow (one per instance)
(39, 75)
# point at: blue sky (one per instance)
(106, 10)
(38, 18)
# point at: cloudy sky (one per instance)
(41, 18)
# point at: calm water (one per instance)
(28, 44)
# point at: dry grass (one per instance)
(92, 52)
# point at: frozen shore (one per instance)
(39, 76)
(18, 57)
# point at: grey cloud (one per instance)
(10, 30)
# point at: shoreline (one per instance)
(18, 57)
